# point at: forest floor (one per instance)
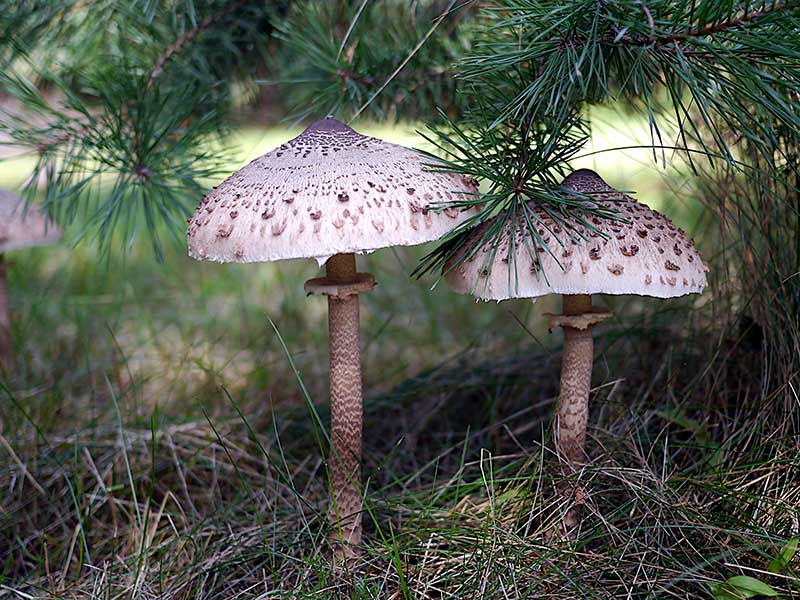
(162, 435)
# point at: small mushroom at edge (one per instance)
(20, 227)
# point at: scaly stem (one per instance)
(573, 402)
(344, 512)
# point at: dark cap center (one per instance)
(328, 124)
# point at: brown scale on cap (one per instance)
(625, 256)
(317, 171)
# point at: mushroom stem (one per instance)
(344, 512)
(573, 402)
(576, 377)
(6, 344)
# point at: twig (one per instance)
(410, 75)
(350, 29)
(365, 79)
(709, 29)
(22, 466)
(188, 37)
(402, 65)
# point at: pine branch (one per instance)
(392, 59)
(706, 30)
(368, 80)
(536, 62)
(436, 22)
(519, 73)
(124, 147)
(357, 77)
(188, 37)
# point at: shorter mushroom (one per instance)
(20, 227)
(642, 252)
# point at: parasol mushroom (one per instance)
(643, 253)
(329, 194)
(20, 227)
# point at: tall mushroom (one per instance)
(329, 194)
(20, 227)
(641, 253)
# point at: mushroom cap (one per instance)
(22, 227)
(647, 255)
(330, 190)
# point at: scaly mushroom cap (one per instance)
(330, 190)
(647, 256)
(21, 228)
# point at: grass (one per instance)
(156, 442)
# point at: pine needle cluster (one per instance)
(504, 88)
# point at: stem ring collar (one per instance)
(336, 288)
(581, 321)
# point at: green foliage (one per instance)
(178, 442)
(725, 73)
(784, 556)
(504, 82)
(756, 281)
(721, 66)
(120, 102)
(342, 58)
(521, 168)
(741, 586)
(133, 165)
(24, 23)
